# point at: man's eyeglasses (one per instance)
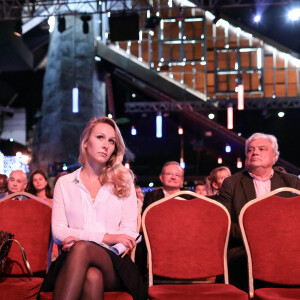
(172, 174)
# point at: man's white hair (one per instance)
(271, 138)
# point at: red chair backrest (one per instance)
(187, 238)
(30, 222)
(272, 229)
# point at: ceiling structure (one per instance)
(21, 75)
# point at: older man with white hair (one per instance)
(258, 179)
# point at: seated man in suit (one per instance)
(171, 177)
(17, 182)
(258, 179)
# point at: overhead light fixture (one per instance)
(180, 130)
(133, 130)
(182, 163)
(257, 18)
(152, 22)
(294, 14)
(75, 100)
(230, 117)
(85, 24)
(51, 23)
(239, 163)
(61, 24)
(240, 97)
(227, 148)
(18, 28)
(159, 125)
(220, 160)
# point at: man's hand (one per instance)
(68, 243)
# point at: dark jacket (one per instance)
(239, 189)
(157, 194)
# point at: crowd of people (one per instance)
(96, 208)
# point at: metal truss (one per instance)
(10, 9)
(204, 106)
(27, 9)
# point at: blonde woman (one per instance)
(94, 219)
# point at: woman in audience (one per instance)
(38, 185)
(3, 183)
(94, 218)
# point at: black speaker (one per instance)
(124, 26)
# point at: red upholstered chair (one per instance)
(270, 227)
(30, 222)
(187, 244)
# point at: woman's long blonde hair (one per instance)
(114, 173)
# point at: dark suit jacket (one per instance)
(157, 194)
(152, 196)
(239, 189)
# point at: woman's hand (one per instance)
(126, 240)
(68, 243)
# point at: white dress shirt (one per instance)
(75, 214)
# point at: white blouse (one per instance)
(75, 214)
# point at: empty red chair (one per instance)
(270, 228)
(187, 248)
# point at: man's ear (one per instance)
(214, 185)
(274, 158)
(160, 177)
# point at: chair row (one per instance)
(187, 241)
(187, 245)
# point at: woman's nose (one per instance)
(105, 144)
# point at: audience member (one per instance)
(3, 183)
(17, 182)
(94, 218)
(258, 179)
(200, 188)
(38, 185)
(140, 197)
(217, 177)
(171, 178)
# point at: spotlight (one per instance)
(294, 14)
(227, 148)
(61, 24)
(257, 18)
(281, 114)
(133, 130)
(18, 28)
(85, 24)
